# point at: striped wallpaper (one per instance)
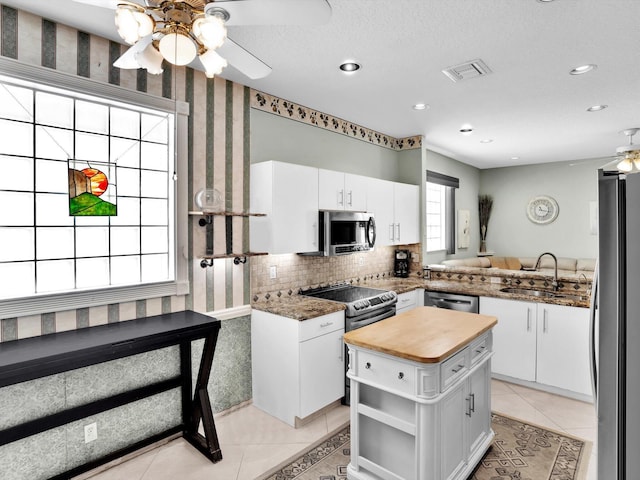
(218, 155)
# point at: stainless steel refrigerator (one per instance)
(618, 326)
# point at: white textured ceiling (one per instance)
(529, 106)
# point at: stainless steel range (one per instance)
(364, 307)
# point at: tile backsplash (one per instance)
(297, 271)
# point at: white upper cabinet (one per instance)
(380, 203)
(342, 191)
(288, 195)
(395, 207)
(407, 214)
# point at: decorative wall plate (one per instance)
(542, 209)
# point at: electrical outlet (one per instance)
(90, 432)
(273, 272)
(361, 261)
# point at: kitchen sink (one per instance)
(530, 292)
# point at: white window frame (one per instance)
(38, 304)
(440, 241)
(448, 211)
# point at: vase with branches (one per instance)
(485, 203)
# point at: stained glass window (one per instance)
(86, 191)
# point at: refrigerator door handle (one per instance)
(593, 306)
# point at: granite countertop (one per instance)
(299, 307)
(424, 334)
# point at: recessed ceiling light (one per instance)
(466, 131)
(515, 158)
(486, 140)
(545, 1)
(420, 106)
(596, 108)
(350, 67)
(583, 69)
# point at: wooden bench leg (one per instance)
(199, 407)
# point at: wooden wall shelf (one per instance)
(207, 222)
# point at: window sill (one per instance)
(20, 307)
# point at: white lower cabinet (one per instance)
(297, 366)
(410, 300)
(416, 421)
(540, 342)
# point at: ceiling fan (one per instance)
(627, 158)
(193, 32)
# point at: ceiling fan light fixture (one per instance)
(212, 63)
(150, 59)
(133, 23)
(177, 48)
(210, 31)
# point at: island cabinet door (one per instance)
(453, 445)
(479, 407)
(514, 337)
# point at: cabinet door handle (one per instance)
(545, 323)
(341, 198)
(400, 376)
(326, 324)
(350, 195)
(457, 369)
(367, 365)
(315, 234)
(391, 231)
(473, 402)
(398, 230)
(341, 347)
(468, 412)
(528, 319)
(479, 350)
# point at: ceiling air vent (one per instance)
(464, 71)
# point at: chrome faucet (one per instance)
(586, 281)
(554, 284)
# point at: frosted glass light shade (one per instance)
(212, 63)
(210, 31)
(625, 165)
(177, 48)
(132, 23)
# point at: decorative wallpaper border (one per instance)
(285, 108)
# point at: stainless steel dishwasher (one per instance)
(451, 301)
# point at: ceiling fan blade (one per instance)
(274, 12)
(112, 4)
(242, 60)
(128, 59)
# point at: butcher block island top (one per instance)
(424, 334)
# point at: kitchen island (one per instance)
(420, 395)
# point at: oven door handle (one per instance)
(354, 322)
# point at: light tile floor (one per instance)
(253, 442)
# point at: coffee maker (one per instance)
(401, 263)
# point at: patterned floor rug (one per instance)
(520, 451)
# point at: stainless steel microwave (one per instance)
(342, 233)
